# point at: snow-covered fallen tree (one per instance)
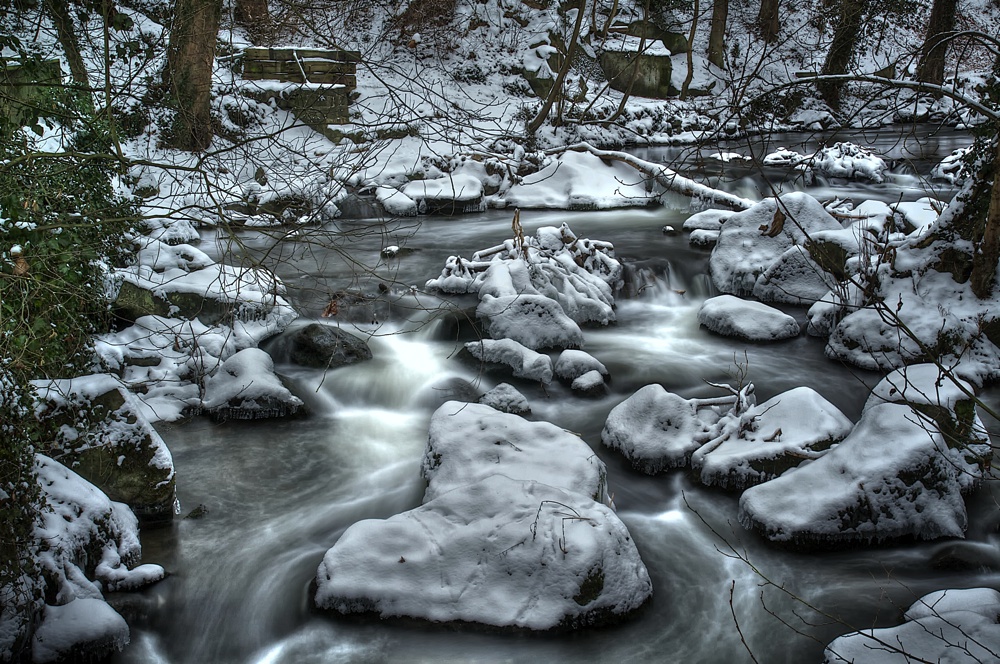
(537, 290)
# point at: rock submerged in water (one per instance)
(321, 346)
(500, 552)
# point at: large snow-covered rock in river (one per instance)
(788, 428)
(469, 442)
(245, 387)
(955, 626)
(501, 552)
(654, 429)
(752, 240)
(534, 321)
(892, 477)
(745, 319)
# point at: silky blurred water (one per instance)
(280, 493)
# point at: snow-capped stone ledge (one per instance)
(744, 319)
(505, 398)
(500, 552)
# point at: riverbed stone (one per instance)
(326, 347)
(744, 319)
(99, 431)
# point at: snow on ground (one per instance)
(957, 626)
(81, 527)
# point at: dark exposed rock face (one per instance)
(326, 347)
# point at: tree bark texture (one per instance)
(58, 10)
(984, 261)
(838, 58)
(930, 69)
(188, 74)
(717, 36)
(556, 90)
(690, 54)
(768, 21)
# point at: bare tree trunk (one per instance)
(253, 16)
(942, 21)
(768, 22)
(841, 52)
(717, 36)
(58, 10)
(556, 91)
(188, 74)
(690, 53)
(984, 261)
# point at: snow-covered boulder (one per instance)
(847, 160)
(534, 321)
(245, 387)
(654, 429)
(703, 238)
(917, 215)
(86, 545)
(707, 220)
(98, 428)
(84, 629)
(590, 384)
(949, 401)
(395, 202)
(958, 625)
(469, 442)
(181, 281)
(952, 169)
(752, 240)
(505, 398)
(893, 476)
(500, 552)
(753, 321)
(580, 181)
(785, 430)
(453, 193)
(794, 278)
(524, 362)
(572, 364)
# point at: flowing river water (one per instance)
(279, 493)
